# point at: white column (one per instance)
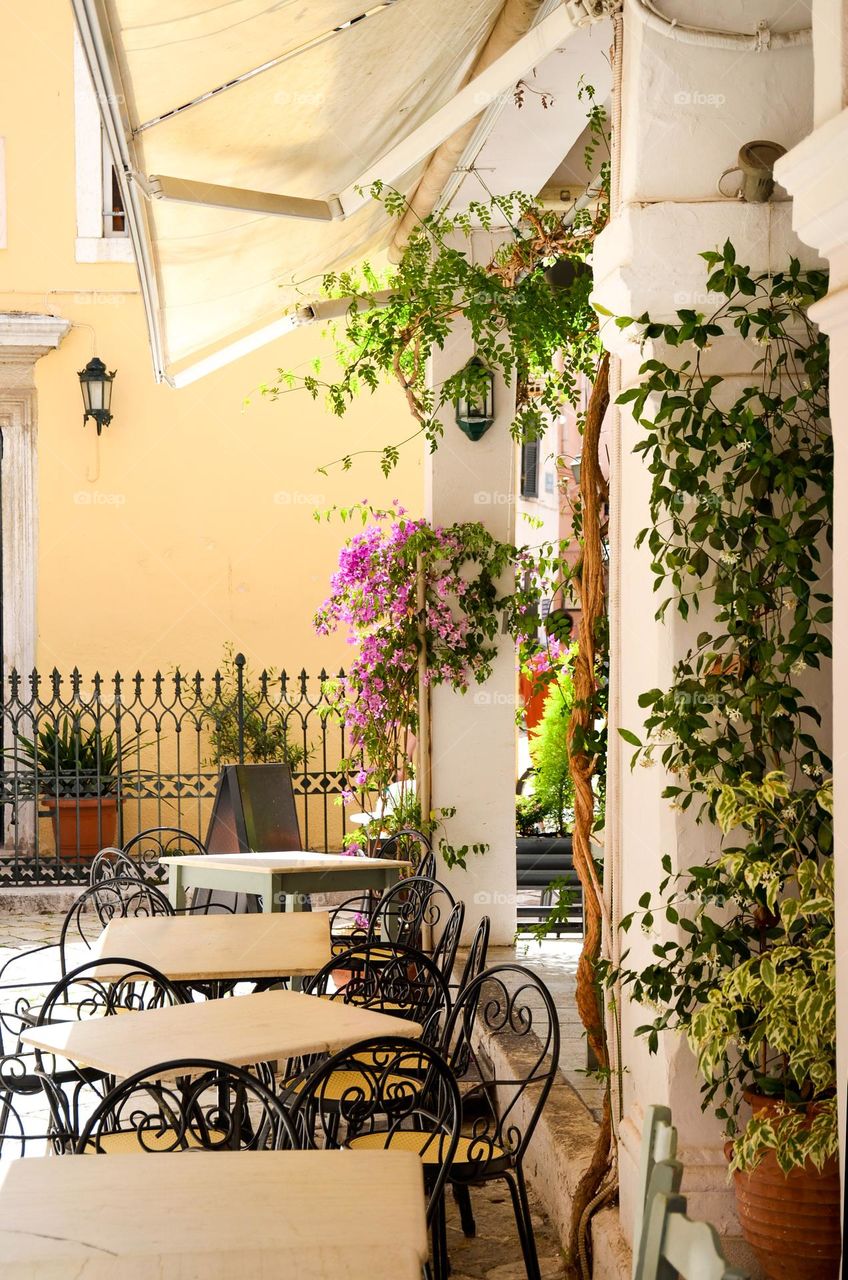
(473, 735)
(686, 111)
(816, 174)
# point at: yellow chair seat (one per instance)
(341, 1083)
(129, 1142)
(471, 1152)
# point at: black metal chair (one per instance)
(386, 978)
(119, 898)
(20, 1087)
(505, 1086)
(187, 1105)
(126, 986)
(112, 863)
(447, 944)
(146, 848)
(406, 845)
(386, 1093)
(347, 922)
(475, 961)
(413, 912)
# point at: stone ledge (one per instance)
(38, 899)
(558, 1154)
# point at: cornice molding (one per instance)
(31, 333)
(815, 172)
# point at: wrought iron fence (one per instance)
(90, 762)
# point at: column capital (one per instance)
(648, 257)
(816, 174)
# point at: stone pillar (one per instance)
(473, 735)
(686, 111)
(24, 339)
(816, 174)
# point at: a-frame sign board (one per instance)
(254, 812)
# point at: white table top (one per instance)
(250, 945)
(241, 1030)
(370, 1262)
(280, 863)
(206, 1202)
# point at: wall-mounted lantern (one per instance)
(96, 383)
(475, 412)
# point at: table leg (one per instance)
(176, 888)
(269, 895)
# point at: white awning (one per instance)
(241, 129)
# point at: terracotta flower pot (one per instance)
(791, 1221)
(82, 827)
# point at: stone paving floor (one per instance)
(494, 1253)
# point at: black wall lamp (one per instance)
(96, 383)
(475, 411)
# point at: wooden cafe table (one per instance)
(265, 1027)
(301, 1206)
(282, 879)
(371, 1262)
(221, 947)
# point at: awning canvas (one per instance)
(277, 110)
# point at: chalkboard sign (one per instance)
(254, 812)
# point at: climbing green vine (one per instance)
(741, 512)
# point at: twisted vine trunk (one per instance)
(592, 592)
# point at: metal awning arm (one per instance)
(498, 78)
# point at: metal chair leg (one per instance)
(441, 1262)
(524, 1223)
(462, 1197)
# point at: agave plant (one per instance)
(68, 759)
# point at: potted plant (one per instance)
(766, 1037)
(76, 772)
(260, 732)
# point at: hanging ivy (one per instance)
(523, 325)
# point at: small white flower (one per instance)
(789, 600)
(647, 761)
(798, 666)
(781, 711)
(733, 713)
(729, 557)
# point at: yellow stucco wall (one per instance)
(190, 522)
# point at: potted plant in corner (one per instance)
(751, 982)
(766, 1037)
(75, 773)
